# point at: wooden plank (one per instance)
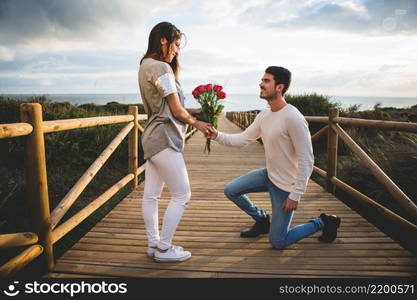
(132, 256)
(241, 264)
(181, 270)
(222, 249)
(141, 231)
(312, 244)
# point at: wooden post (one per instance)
(332, 141)
(36, 178)
(133, 146)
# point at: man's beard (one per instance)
(267, 97)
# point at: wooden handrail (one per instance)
(319, 171)
(319, 133)
(394, 190)
(358, 195)
(317, 119)
(85, 179)
(20, 261)
(15, 130)
(190, 133)
(350, 190)
(140, 170)
(18, 239)
(68, 225)
(378, 124)
(140, 128)
(22, 129)
(68, 124)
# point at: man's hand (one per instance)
(212, 133)
(289, 205)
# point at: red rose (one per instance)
(221, 95)
(200, 89)
(217, 88)
(195, 93)
(208, 87)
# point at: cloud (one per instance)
(385, 67)
(358, 16)
(6, 54)
(71, 61)
(24, 21)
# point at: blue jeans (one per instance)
(280, 235)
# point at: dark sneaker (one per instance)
(331, 223)
(260, 227)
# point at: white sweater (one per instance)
(287, 144)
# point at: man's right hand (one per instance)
(213, 133)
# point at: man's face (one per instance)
(268, 88)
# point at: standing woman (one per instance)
(163, 140)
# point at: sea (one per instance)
(233, 102)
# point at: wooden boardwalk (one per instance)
(210, 229)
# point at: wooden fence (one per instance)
(46, 227)
(334, 131)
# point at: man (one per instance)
(289, 163)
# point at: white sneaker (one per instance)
(151, 251)
(173, 254)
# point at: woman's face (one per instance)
(170, 51)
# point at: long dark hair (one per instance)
(171, 34)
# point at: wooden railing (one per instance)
(334, 131)
(46, 226)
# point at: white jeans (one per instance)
(168, 167)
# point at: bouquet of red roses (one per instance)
(209, 97)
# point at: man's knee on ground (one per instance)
(278, 244)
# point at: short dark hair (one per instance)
(281, 76)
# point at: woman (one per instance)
(163, 140)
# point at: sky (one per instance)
(345, 48)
